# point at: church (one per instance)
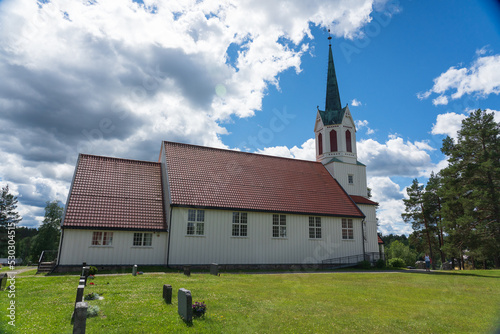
(200, 205)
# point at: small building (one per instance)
(200, 205)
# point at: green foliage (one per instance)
(364, 264)
(8, 217)
(388, 239)
(471, 188)
(93, 270)
(399, 250)
(92, 311)
(91, 296)
(397, 263)
(380, 264)
(49, 232)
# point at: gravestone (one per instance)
(82, 282)
(214, 269)
(134, 270)
(3, 281)
(86, 271)
(79, 294)
(167, 293)
(187, 270)
(84, 279)
(185, 305)
(80, 318)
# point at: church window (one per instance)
(350, 178)
(348, 143)
(333, 141)
(347, 229)
(239, 224)
(315, 227)
(196, 222)
(143, 239)
(279, 226)
(102, 238)
(320, 144)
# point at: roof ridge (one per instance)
(240, 152)
(122, 159)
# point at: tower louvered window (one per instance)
(333, 141)
(348, 143)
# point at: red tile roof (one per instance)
(111, 193)
(362, 200)
(215, 178)
(380, 241)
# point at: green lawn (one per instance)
(378, 302)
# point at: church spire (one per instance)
(332, 87)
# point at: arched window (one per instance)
(348, 143)
(333, 141)
(320, 144)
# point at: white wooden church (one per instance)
(200, 205)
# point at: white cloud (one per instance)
(390, 198)
(448, 124)
(364, 124)
(440, 100)
(395, 157)
(307, 151)
(356, 103)
(482, 78)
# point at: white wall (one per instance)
(259, 247)
(77, 248)
(371, 244)
(340, 171)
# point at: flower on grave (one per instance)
(199, 309)
(92, 283)
(91, 277)
(91, 296)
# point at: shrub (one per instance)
(92, 270)
(397, 263)
(199, 309)
(380, 264)
(364, 265)
(92, 311)
(91, 296)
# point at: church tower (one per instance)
(335, 133)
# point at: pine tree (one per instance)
(8, 206)
(470, 187)
(417, 214)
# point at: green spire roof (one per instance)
(333, 113)
(332, 87)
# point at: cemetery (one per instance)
(235, 302)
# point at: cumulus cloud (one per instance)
(307, 151)
(395, 157)
(482, 78)
(116, 78)
(390, 198)
(448, 124)
(356, 103)
(364, 124)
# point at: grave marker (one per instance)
(167, 293)
(3, 281)
(134, 270)
(79, 294)
(185, 305)
(80, 318)
(214, 269)
(187, 270)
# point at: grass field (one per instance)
(377, 302)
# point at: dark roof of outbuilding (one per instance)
(216, 178)
(111, 193)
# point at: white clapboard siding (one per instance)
(259, 247)
(371, 245)
(77, 248)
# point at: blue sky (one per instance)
(115, 79)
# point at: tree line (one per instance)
(29, 242)
(456, 215)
